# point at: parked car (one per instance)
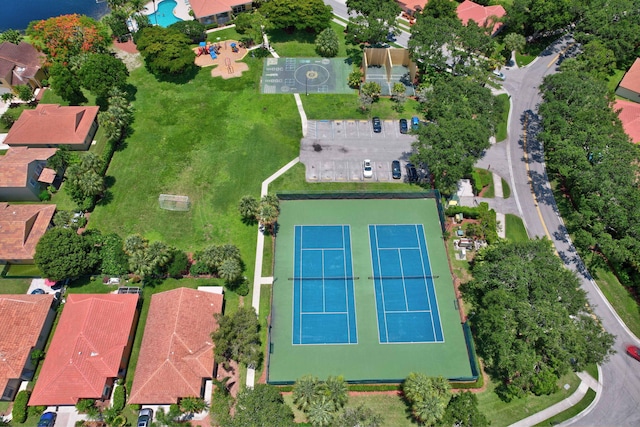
(412, 173)
(38, 291)
(634, 352)
(396, 172)
(145, 416)
(377, 124)
(48, 419)
(404, 126)
(498, 74)
(367, 169)
(415, 123)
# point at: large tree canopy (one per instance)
(311, 15)
(532, 323)
(165, 50)
(261, 406)
(237, 337)
(462, 115)
(101, 72)
(62, 253)
(373, 20)
(62, 37)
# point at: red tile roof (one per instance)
(631, 79)
(202, 8)
(87, 348)
(47, 176)
(52, 124)
(22, 318)
(630, 117)
(19, 63)
(14, 165)
(484, 16)
(21, 227)
(177, 350)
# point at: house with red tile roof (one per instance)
(218, 11)
(484, 16)
(629, 114)
(52, 125)
(20, 64)
(23, 173)
(629, 86)
(176, 355)
(90, 349)
(21, 227)
(25, 323)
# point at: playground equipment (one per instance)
(234, 48)
(208, 49)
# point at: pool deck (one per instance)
(181, 10)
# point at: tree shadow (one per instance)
(107, 197)
(183, 78)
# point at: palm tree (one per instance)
(229, 251)
(268, 216)
(321, 411)
(248, 208)
(134, 243)
(230, 270)
(335, 389)
(158, 254)
(305, 391)
(91, 184)
(192, 405)
(92, 162)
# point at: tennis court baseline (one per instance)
(323, 294)
(406, 304)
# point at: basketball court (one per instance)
(305, 75)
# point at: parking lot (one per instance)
(334, 150)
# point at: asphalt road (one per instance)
(520, 160)
(619, 402)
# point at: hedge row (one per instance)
(19, 412)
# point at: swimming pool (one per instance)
(164, 15)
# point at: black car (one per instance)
(412, 173)
(377, 124)
(48, 419)
(404, 126)
(396, 172)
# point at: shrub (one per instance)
(85, 405)
(135, 407)
(480, 178)
(36, 411)
(19, 412)
(327, 43)
(52, 189)
(241, 287)
(119, 421)
(199, 268)
(44, 196)
(114, 260)
(354, 79)
(179, 264)
(36, 356)
(119, 397)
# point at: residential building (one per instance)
(25, 323)
(629, 86)
(485, 16)
(20, 64)
(21, 227)
(89, 351)
(176, 356)
(218, 11)
(629, 114)
(52, 125)
(23, 173)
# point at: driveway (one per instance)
(334, 150)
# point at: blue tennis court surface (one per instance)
(405, 295)
(323, 294)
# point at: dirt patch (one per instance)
(128, 53)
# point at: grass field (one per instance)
(213, 140)
(385, 362)
(514, 228)
(501, 129)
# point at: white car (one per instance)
(499, 74)
(367, 169)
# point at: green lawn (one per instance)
(501, 130)
(503, 414)
(301, 44)
(22, 271)
(213, 140)
(571, 412)
(14, 286)
(514, 228)
(614, 80)
(506, 190)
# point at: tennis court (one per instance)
(323, 299)
(405, 295)
(327, 305)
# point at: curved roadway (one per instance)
(619, 402)
(520, 159)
